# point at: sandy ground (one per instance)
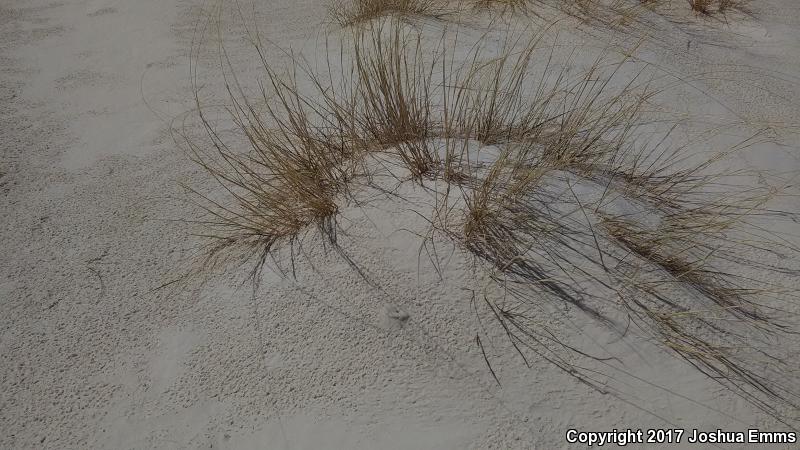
(92, 357)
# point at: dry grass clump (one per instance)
(351, 12)
(709, 7)
(702, 7)
(680, 261)
(548, 180)
(393, 95)
(521, 214)
(605, 13)
(687, 252)
(287, 179)
(288, 162)
(682, 247)
(521, 6)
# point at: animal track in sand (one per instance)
(394, 317)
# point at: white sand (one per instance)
(90, 357)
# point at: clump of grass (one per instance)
(709, 7)
(296, 152)
(606, 13)
(521, 6)
(393, 90)
(351, 12)
(545, 244)
(681, 247)
(286, 177)
(688, 251)
(523, 208)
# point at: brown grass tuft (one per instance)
(351, 12)
(709, 7)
